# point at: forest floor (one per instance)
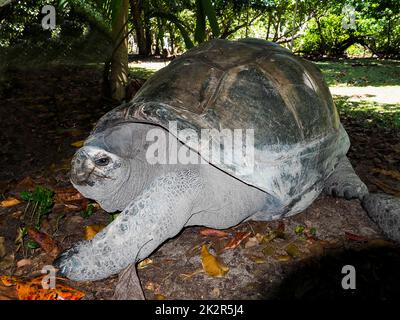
(46, 112)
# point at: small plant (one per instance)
(40, 201)
(299, 229)
(88, 211)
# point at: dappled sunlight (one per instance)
(370, 112)
(360, 72)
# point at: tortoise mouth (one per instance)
(82, 169)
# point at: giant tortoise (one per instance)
(291, 146)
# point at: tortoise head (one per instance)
(97, 173)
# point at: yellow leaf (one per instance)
(91, 231)
(144, 263)
(9, 202)
(211, 265)
(160, 297)
(78, 144)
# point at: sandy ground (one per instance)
(384, 94)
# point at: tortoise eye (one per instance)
(102, 161)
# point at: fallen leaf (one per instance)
(268, 250)
(33, 290)
(252, 242)
(160, 297)
(92, 230)
(214, 232)
(67, 195)
(283, 258)
(257, 259)
(25, 184)
(128, 286)
(211, 264)
(216, 292)
(151, 286)
(78, 144)
(9, 202)
(239, 237)
(144, 263)
(385, 187)
(69, 199)
(23, 262)
(191, 274)
(7, 293)
(390, 173)
(46, 242)
(293, 251)
(355, 237)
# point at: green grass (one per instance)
(361, 72)
(370, 113)
(141, 73)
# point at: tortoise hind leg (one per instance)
(384, 210)
(344, 182)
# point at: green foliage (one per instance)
(88, 211)
(361, 72)
(315, 25)
(40, 202)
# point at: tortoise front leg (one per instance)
(158, 214)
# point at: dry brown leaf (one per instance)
(355, 237)
(63, 195)
(69, 199)
(7, 293)
(213, 232)
(23, 262)
(92, 230)
(128, 286)
(26, 184)
(211, 264)
(46, 242)
(386, 188)
(9, 202)
(390, 173)
(239, 237)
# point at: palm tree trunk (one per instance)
(119, 61)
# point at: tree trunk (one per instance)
(119, 61)
(137, 14)
(172, 40)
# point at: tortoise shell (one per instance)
(248, 84)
